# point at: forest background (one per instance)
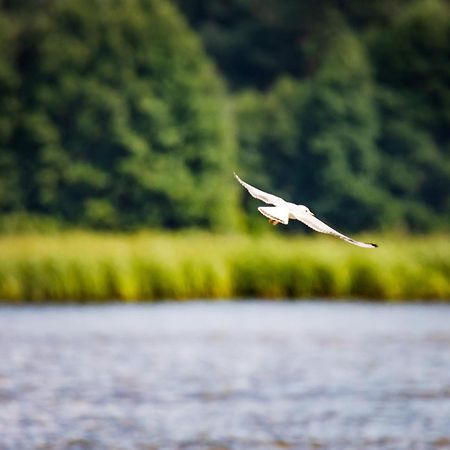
(131, 114)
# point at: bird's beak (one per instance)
(312, 213)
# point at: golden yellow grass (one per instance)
(80, 266)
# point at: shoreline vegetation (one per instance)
(89, 267)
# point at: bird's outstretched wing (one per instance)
(321, 227)
(261, 195)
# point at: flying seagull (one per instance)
(282, 211)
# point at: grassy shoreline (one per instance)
(90, 267)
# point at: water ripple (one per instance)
(251, 375)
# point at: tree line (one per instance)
(122, 114)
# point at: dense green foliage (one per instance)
(316, 139)
(256, 41)
(411, 60)
(367, 131)
(89, 267)
(113, 116)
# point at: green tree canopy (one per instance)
(413, 74)
(367, 130)
(119, 118)
(113, 116)
(338, 162)
(316, 139)
(256, 41)
(10, 189)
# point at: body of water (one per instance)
(217, 376)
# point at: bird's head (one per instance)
(305, 210)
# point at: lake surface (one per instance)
(244, 375)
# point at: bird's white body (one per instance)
(282, 211)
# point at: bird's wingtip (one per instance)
(374, 245)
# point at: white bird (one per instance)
(282, 211)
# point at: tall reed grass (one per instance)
(88, 267)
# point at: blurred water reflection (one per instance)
(225, 376)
